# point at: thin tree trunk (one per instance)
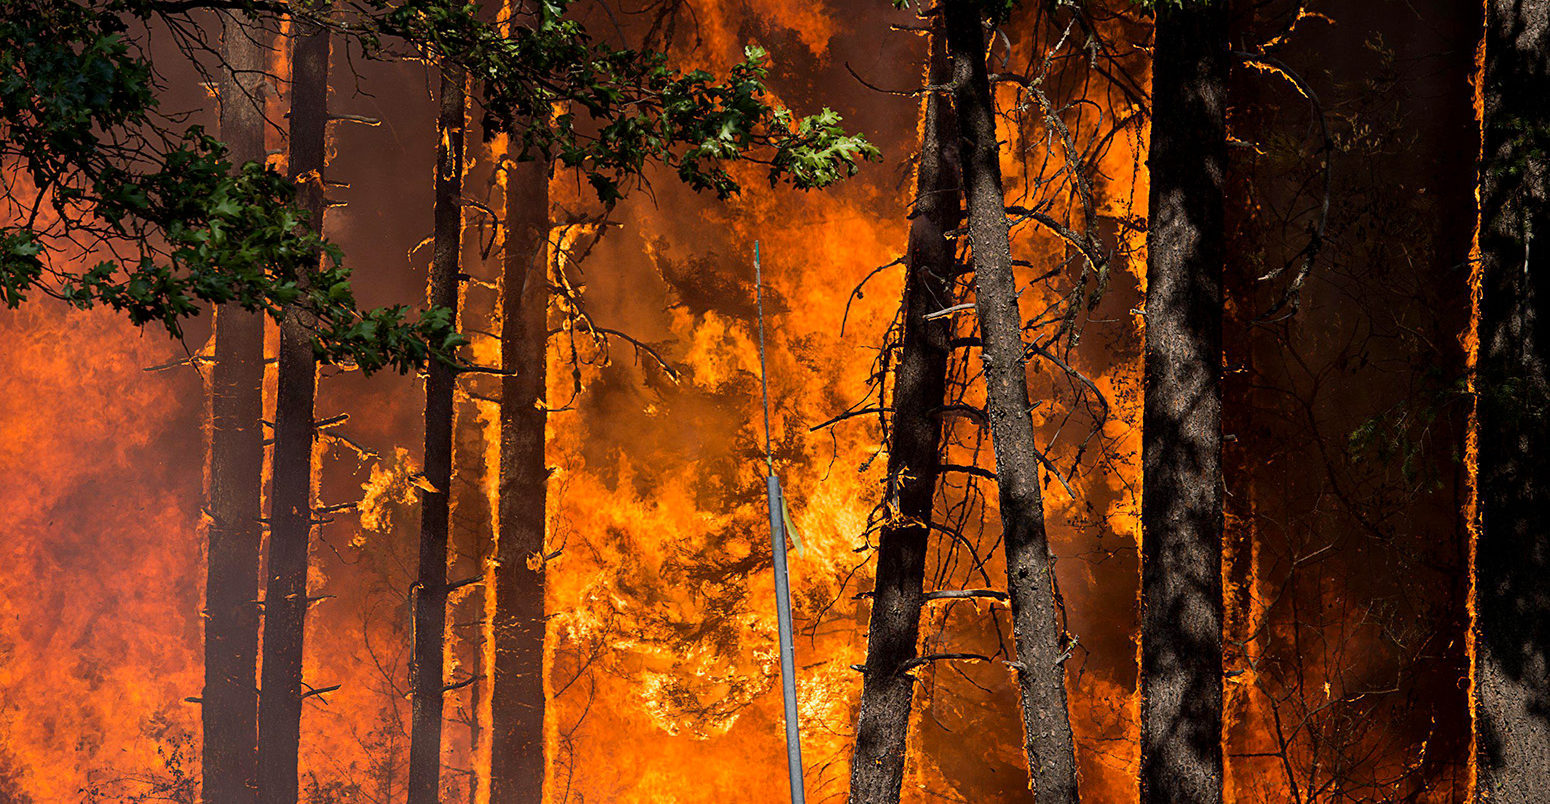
(290, 517)
(1512, 558)
(920, 379)
(426, 673)
(1040, 664)
(471, 536)
(1181, 515)
(229, 708)
(517, 625)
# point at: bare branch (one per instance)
(961, 594)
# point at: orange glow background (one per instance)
(663, 670)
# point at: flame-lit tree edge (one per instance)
(427, 671)
(517, 627)
(228, 707)
(1511, 608)
(291, 516)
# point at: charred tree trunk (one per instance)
(472, 538)
(517, 625)
(1181, 516)
(1036, 631)
(229, 703)
(1512, 559)
(290, 516)
(426, 672)
(920, 379)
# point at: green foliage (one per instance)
(1397, 438)
(621, 109)
(99, 174)
(1523, 143)
(1153, 5)
(91, 173)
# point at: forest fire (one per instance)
(1289, 319)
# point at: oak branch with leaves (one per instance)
(105, 203)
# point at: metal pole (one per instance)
(788, 673)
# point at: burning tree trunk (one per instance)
(229, 709)
(290, 518)
(1181, 517)
(877, 766)
(1512, 553)
(470, 542)
(1040, 664)
(517, 743)
(429, 597)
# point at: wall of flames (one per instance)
(663, 670)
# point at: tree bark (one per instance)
(1040, 664)
(471, 538)
(229, 703)
(517, 624)
(290, 517)
(426, 672)
(1181, 514)
(920, 379)
(1512, 552)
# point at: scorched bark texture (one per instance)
(429, 596)
(517, 623)
(1512, 560)
(1181, 507)
(291, 515)
(229, 703)
(877, 767)
(1036, 631)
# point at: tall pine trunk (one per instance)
(1512, 559)
(229, 709)
(426, 673)
(920, 379)
(517, 625)
(1040, 665)
(291, 515)
(1181, 500)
